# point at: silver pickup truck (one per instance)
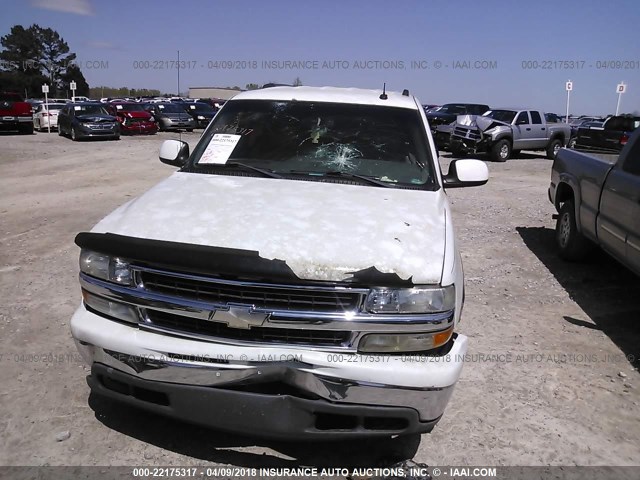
(598, 200)
(503, 132)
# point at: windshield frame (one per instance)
(427, 165)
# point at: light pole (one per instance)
(45, 90)
(620, 89)
(568, 86)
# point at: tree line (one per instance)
(36, 55)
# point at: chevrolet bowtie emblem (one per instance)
(239, 316)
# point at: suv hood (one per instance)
(322, 231)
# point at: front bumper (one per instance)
(139, 129)
(9, 122)
(272, 391)
(466, 145)
(106, 131)
(174, 124)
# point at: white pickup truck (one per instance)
(298, 277)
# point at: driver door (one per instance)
(523, 134)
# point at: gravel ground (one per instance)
(551, 377)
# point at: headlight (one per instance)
(112, 269)
(121, 311)
(200, 117)
(404, 342)
(411, 300)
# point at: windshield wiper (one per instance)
(338, 173)
(263, 171)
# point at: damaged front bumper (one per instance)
(280, 392)
(469, 141)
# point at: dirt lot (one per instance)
(551, 379)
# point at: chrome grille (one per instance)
(213, 290)
(471, 134)
(291, 336)
(101, 126)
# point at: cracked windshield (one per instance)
(320, 139)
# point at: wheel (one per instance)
(189, 129)
(501, 150)
(572, 143)
(74, 134)
(553, 148)
(60, 132)
(572, 245)
(36, 125)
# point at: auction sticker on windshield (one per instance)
(220, 148)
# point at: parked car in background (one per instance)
(87, 120)
(429, 107)
(608, 137)
(262, 250)
(15, 113)
(445, 116)
(34, 102)
(46, 116)
(201, 112)
(216, 103)
(576, 123)
(504, 132)
(553, 118)
(171, 116)
(133, 118)
(598, 200)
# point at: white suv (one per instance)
(297, 277)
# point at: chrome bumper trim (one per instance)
(429, 402)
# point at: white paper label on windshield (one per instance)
(220, 148)
(77, 107)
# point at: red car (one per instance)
(133, 118)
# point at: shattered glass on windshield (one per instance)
(317, 139)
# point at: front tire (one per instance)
(572, 245)
(74, 134)
(501, 150)
(553, 148)
(572, 143)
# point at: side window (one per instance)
(632, 164)
(535, 117)
(522, 118)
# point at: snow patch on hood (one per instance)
(323, 231)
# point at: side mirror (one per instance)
(174, 152)
(466, 173)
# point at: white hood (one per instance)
(323, 231)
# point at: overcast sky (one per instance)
(508, 53)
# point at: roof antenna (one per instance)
(405, 93)
(383, 95)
